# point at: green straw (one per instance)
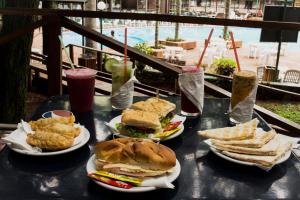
(67, 54)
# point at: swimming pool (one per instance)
(199, 33)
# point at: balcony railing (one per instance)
(53, 21)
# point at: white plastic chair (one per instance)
(253, 51)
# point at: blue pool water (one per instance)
(199, 33)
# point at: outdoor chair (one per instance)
(253, 51)
(260, 73)
(283, 49)
(292, 76)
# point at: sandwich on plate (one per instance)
(133, 162)
(163, 108)
(139, 123)
(134, 157)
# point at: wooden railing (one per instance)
(101, 76)
(53, 20)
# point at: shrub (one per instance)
(225, 66)
(144, 47)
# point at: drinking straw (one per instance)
(125, 56)
(235, 52)
(205, 47)
(67, 54)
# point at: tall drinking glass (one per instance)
(244, 87)
(191, 83)
(122, 90)
(81, 86)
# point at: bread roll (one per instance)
(139, 118)
(137, 152)
(159, 106)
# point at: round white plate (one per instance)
(117, 119)
(218, 153)
(79, 141)
(90, 168)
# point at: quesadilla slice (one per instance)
(239, 132)
(269, 149)
(260, 139)
(265, 161)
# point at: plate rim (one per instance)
(179, 132)
(86, 138)
(91, 164)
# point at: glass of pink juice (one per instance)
(81, 87)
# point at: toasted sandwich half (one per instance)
(164, 109)
(134, 157)
(139, 123)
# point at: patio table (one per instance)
(203, 174)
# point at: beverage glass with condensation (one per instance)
(244, 88)
(81, 88)
(121, 98)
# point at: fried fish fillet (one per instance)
(49, 140)
(63, 129)
(43, 123)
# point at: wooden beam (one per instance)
(20, 32)
(154, 17)
(118, 46)
(54, 59)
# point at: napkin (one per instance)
(243, 111)
(123, 98)
(177, 118)
(192, 85)
(159, 182)
(17, 139)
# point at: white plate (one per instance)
(117, 119)
(218, 153)
(90, 168)
(79, 141)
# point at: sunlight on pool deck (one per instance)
(290, 60)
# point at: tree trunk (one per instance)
(178, 12)
(157, 25)
(90, 23)
(15, 57)
(227, 9)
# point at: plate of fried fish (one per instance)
(50, 136)
(153, 118)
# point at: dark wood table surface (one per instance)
(203, 174)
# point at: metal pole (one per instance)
(82, 23)
(101, 27)
(280, 36)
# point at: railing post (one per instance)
(54, 59)
(99, 60)
(71, 52)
